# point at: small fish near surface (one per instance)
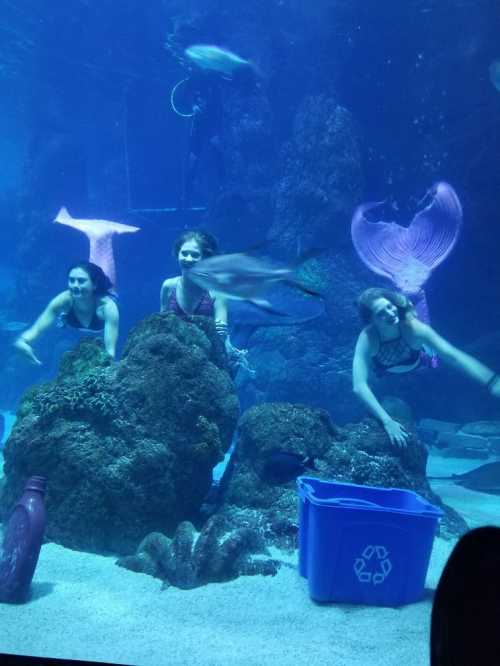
(216, 59)
(279, 466)
(485, 479)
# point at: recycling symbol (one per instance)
(373, 566)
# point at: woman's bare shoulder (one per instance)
(106, 304)
(61, 301)
(168, 283)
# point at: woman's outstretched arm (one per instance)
(360, 372)
(24, 342)
(456, 358)
(111, 326)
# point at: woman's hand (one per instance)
(397, 434)
(27, 350)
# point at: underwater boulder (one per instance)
(358, 453)
(128, 447)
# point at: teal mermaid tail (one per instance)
(100, 234)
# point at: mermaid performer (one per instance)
(88, 304)
(394, 341)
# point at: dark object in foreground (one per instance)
(466, 608)
(27, 660)
(485, 478)
(191, 559)
(22, 543)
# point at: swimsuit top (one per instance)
(70, 319)
(396, 353)
(205, 307)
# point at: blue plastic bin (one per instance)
(364, 545)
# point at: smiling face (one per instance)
(385, 313)
(80, 285)
(189, 254)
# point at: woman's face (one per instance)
(189, 254)
(385, 312)
(79, 284)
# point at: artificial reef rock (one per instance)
(191, 559)
(319, 186)
(359, 453)
(128, 447)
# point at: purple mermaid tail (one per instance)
(100, 234)
(408, 255)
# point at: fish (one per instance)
(485, 478)
(408, 255)
(494, 71)
(100, 234)
(241, 277)
(215, 58)
(280, 466)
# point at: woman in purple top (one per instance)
(182, 296)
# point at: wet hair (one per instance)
(99, 279)
(369, 296)
(208, 243)
(466, 607)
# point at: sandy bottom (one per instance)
(85, 607)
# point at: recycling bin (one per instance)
(363, 544)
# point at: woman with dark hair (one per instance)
(86, 305)
(181, 295)
(395, 341)
(466, 608)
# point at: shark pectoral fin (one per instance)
(433, 231)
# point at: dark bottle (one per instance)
(22, 542)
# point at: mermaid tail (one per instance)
(100, 234)
(408, 255)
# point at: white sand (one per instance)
(85, 607)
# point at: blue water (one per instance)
(349, 101)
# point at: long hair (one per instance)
(369, 296)
(208, 243)
(100, 280)
(465, 623)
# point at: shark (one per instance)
(408, 255)
(242, 277)
(100, 234)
